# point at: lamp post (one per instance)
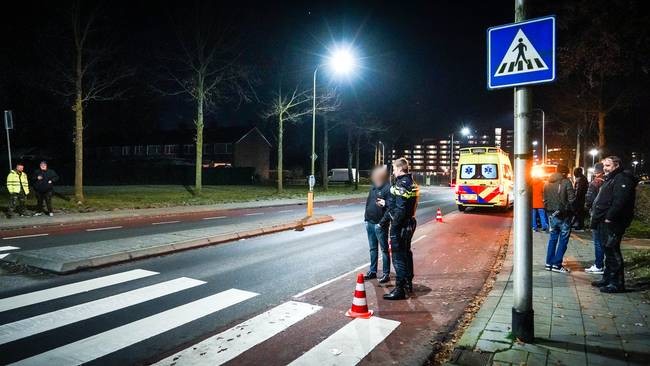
(464, 131)
(593, 153)
(634, 164)
(341, 61)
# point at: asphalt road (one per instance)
(182, 298)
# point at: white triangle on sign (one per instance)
(520, 57)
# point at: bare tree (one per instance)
(291, 107)
(207, 69)
(356, 129)
(87, 74)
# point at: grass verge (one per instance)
(638, 230)
(105, 198)
(637, 269)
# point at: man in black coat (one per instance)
(612, 213)
(376, 209)
(44, 179)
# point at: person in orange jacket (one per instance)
(538, 205)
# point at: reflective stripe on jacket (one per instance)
(15, 180)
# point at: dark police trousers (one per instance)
(610, 238)
(400, 238)
(16, 204)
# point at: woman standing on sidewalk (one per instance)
(590, 197)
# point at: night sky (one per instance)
(422, 63)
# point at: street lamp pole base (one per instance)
(310, 203)
(523, 325)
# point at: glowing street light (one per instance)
(593, 153)
(465, 131)
(635, 163)
(342, 61)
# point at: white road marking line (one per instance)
(332, 206)
(220, 349)
(165, 222)
(214, 217)
(301, 294)
(102, 344)
(71, 289)
(254, 214)
(284, 211)
(55, 319)
(3, 255)
(4, 249)
(104, 228)
(25, 236)
(418, 239)
(354, 341)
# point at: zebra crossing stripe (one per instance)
(352, 343)
(220, 349)
(36, 297)
(55, 319)
(4, 249)
(102, 344)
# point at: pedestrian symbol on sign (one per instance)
(521, 57)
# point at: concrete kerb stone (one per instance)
(41, 260)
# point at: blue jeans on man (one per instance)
(558, 240)
(598, 249)
(378, 238)
(542, 218)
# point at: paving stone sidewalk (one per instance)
(575, 324)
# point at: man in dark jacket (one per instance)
(401, 212)
(580, 186)
(44, 179)
(592, 192)
(559, 199)
(612, 213)
(378, 234)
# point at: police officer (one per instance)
(401, 212)
(18, 187)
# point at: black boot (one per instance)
(398, 292)
(409, 286)
(370, 276)
(385, 278)
(601, 283)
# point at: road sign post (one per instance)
(9, 125)
(522, 54)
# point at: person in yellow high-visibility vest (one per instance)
(18, 187)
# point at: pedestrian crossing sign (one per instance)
(521, 53)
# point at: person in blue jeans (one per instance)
(538, 205)
(376, 208)
(559, 197)
(594, 187)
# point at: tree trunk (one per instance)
(79, 132)
(578, 148)
(323, 165)
(279, 168)
(349, 146)
(602, 140)
(198, 170)
(356, 163)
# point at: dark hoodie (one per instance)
(615, 200)
(559, 195)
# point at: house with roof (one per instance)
(240, 147)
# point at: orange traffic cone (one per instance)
(439, 215)
(359, 307)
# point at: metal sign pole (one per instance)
(8, 125)
(522, 309)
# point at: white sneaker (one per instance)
(560, 269)
(594, 270)
(51, 214)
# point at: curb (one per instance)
(65, 267)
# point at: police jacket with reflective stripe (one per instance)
(404, 200)
(16, 180)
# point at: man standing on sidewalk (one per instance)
(44, 179)
(592, 192)
(613, 210)
(378, 234)
(403, 203)
(559, 198)
(18, 187)
(580, 186)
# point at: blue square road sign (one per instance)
(521, 53)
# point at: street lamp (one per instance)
(635, 163)
(463, 131)
(342, 61)
(593, 153)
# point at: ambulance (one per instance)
(484, 178)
